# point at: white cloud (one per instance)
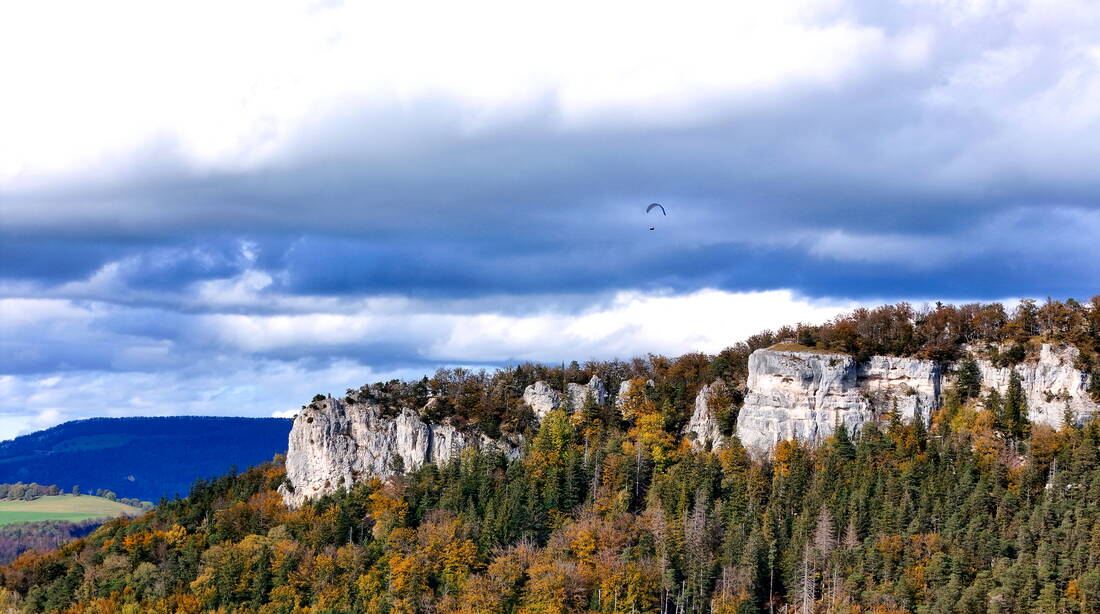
(223, 365)
(629, 324)
(230, 85)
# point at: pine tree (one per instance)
(968, 383)
(1015, 408)
(841, 442)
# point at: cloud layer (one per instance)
(193, 197)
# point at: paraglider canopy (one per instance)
(653, 206)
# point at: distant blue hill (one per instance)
(143, 458)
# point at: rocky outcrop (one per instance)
(624, 389)
(910, 384)
(805, 395)
(799, 395)
(541, 398)
(1052, 385)
(703, 429)
(334, 444)
(579, 394)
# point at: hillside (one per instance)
(64, 507)
(947, 500)
(142, 458)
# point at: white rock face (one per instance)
(542, 398)
(624, 389)
(1052, 385)
(577, 393)
(913, 384)
(334, 445)
(703, 429)
(804, 395)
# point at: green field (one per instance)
(63, 507)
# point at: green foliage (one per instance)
(892, 519)
(968, 383)
(27, 492)
(1015, 408)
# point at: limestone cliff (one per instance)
(334, 444)
(625, 387)
(578, 394)
(805, 395)
(543, 399)
(799, 395)
(1052, 385)
(703, 429)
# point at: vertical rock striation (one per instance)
(703, 429)
(1052, 385)
(542, 399)
(799, 395)
(578, 394)
(333, 445)
(804, 395)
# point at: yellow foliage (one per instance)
(459, 559)
(650, 432)
(555, 587)
(480, 595)
(583, 546)
(406, 576)
(369, 586)
(784, 453)
(387, 511)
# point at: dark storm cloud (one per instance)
(531, 208)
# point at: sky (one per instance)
(220, 208)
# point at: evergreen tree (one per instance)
(968, 382)
(841, 443)
(1015, 408)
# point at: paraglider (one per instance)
(653, 206)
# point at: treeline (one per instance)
(43, 536)
(27, 492)
(111, 496)
(940, 332)
(492, 400)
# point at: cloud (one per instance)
(233, 364)
(339, 192)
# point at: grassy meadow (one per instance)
(63, 507)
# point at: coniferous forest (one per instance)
(613, 511)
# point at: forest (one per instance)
(613, 511)
(17, 538)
